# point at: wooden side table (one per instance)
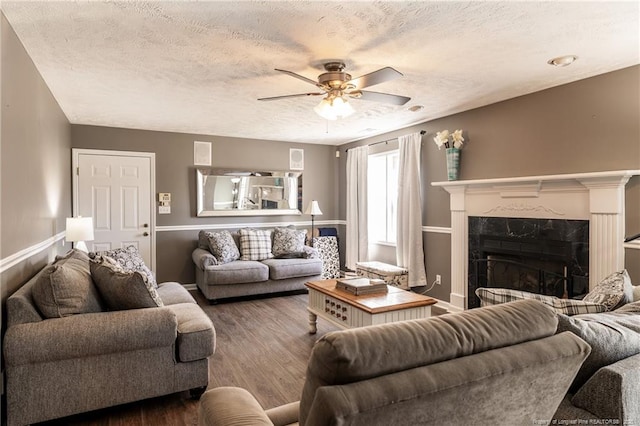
(348, 311)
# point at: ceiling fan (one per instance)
(337, 87)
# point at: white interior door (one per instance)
(116, 190)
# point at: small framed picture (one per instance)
(201, 153)
(296, 159)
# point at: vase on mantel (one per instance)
(453, 163)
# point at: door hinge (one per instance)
(78, 171)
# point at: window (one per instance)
(383, 196)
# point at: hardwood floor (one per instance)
(263, 345)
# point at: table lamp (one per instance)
(313, 209)
(79, 230)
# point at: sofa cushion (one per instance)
(280, 269)
(66, 288)
(255, 244)
(613, 291)
(612, 336)
(173, 293)
(288, 242)
(196, 335)
(222, 246)
(123, 289)
(496, 296)
(237, 272)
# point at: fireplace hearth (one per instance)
(545, 256)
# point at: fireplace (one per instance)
(597, 198)
(542, 256)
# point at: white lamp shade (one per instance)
(313, 209)
(79, 229)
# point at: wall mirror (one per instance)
(248, 193)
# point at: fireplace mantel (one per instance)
(598, 197)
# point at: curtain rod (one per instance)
(422, 132)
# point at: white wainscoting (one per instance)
(28, 252)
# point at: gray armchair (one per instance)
(497, 365)
(56, 367)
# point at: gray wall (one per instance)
(175, 173)
(36, 163)
(586, 126)
(35, 158)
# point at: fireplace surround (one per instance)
(596, 197)
(545, 256)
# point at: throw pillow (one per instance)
(203, 239)
(612, 336)
(613, 291)
(222, 246)
(496, 296)
(66, 288)
(288, 242)
(129, 259)
(255, 244)
(123, 289)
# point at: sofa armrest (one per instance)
(612, 392)
(85, 335)
(203, 258)
(284, 415)
(230, 406)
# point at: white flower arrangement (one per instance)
(453, 140)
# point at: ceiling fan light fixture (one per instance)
(332, 108)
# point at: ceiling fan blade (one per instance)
(275, 98)
(376, 77)
(299, 77)
(384, 97)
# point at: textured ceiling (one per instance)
(199, 67)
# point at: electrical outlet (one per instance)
(438, 279)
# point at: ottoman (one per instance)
(391, 274)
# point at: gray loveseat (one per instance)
(219, 280)
(497, 365)
(56, 367)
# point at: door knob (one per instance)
(145, 234)
(146, 225)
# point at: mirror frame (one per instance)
(201, 173)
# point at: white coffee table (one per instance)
(348, 311)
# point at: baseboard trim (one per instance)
(22, 255)
(190, 287)
(447, 306)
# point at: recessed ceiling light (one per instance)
(415, 108)
(562, 61)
